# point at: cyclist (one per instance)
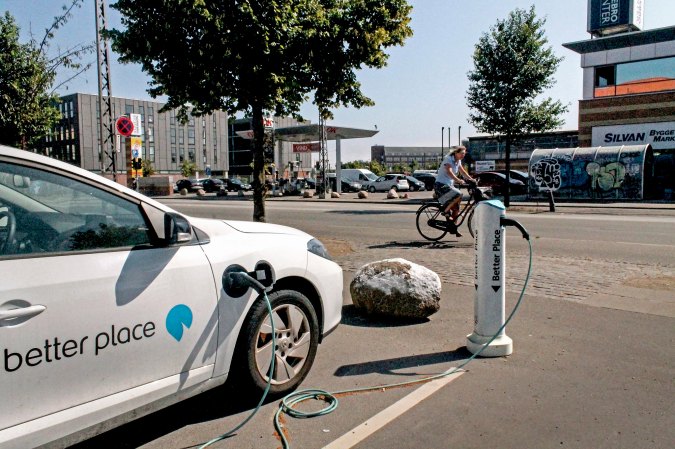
(448, 173)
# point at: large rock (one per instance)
(396, 287)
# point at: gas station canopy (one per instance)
(310, 133)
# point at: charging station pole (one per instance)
(489, 282)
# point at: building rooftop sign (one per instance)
(614, 16)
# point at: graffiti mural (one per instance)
(589, 173)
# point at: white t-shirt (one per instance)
(442, 175)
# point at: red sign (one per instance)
(314, 147)
(124, 126)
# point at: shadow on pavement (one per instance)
(351, 316)
(211, 405)
(424, 244)
(391, 366)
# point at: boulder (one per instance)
(363, 194)
(307, 194)
(201, 192)
(392, 194)
(334, 195)
(397, 288)
(183, 191)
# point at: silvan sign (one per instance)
(659, 135)
(614, 16)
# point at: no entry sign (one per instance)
(124, 126)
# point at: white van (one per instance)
(361, 175)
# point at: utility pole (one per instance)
(442, 134)
(108, 152)
(323, 158)
(459, 135)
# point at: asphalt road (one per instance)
(593, 341)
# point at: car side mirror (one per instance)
(169, 228)
(176, 228)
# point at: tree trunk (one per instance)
(258, 164)
(507, 192)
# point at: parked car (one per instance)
(114, 305)
(234, 185)
(346, 185)
(388, 182)
(311, 183)
(415, 184)
(191, 185)
(212, 185)
(427, 178)
(497, 182)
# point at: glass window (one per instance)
(151, 150)
(173, 135)
(151, 134)
(43, 212)
(173, 154)
(128, 108)
(637, 77)
(181, 136)
(191, 136)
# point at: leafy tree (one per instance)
(376, 168)
(259, 56)
(188, 168)
(27, 76)
(148, 168)
(512, 66)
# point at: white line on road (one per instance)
(363, 431)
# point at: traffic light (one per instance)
(137, 163)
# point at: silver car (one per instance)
(389, 182)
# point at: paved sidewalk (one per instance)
(518, 203)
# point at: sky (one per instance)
(422, 89)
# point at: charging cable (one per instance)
(295, 398)
(291, 400)
(245, 279)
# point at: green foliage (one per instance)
(512, 66)
(148, 169)
(376, 168)
(27, 77)
(259, 56)
(188, 168)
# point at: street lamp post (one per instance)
(459, 135)
(442, 134)
(449, 129)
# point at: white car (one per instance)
(113, 305)
(388, 182)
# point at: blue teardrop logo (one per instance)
(178, 316)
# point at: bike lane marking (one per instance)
(398, 408)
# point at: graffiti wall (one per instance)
(590, 173)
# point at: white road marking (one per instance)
(375, 423)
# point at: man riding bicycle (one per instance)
(448, 173)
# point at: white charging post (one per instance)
(489, 302)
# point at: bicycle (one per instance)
(433, 226)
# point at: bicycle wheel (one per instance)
(469, 222)
(426, 213)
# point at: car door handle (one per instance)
(22, 312)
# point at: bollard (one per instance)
(489, 242)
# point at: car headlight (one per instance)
(314, 246)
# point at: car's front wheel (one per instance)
(296, 330)
(371, 189)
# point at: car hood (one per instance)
(250, 227)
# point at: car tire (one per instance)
(371, 189)
(297, 332)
